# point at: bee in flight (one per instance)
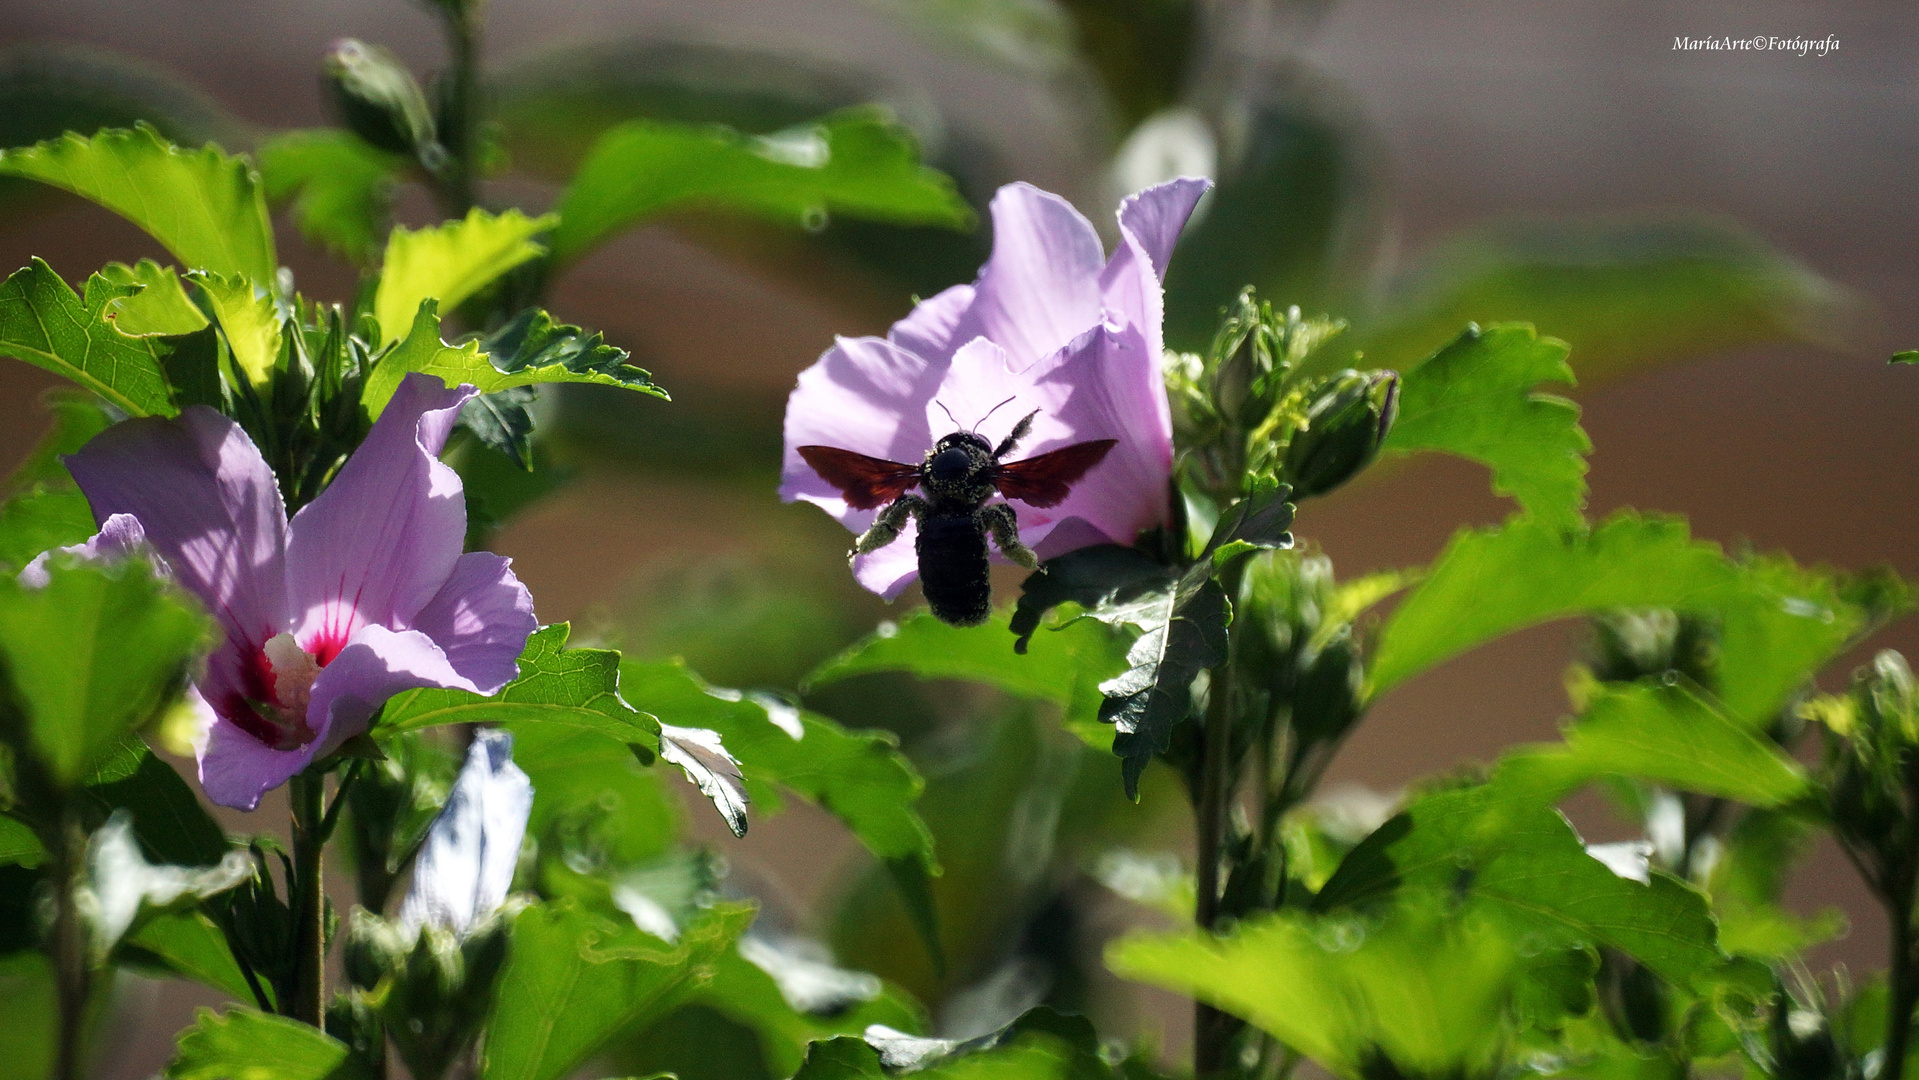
(958, 475)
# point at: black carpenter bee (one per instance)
(959, 474)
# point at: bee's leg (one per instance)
(998, 519)
(1020, 431)
(886, 528)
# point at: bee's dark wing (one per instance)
(866, 482)
(1043, 481)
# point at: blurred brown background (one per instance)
(1482, 109)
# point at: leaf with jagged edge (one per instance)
(340, 188)
(533, 340)
(1476, 399)
(574, 979)
(1779, 623)
(248, 319)
(857, 162)
(45, 323)
(244, 1042)
(1182, 632)
(204, 206)
(450, 262)
(160, 307)
(466, 363)
(576, 687)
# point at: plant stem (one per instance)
(308, 893)
(1902, 976)
(1212, 1029)
(457, 188)
(72, 966)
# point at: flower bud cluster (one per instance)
(1250, 413)
(1872, 763)
(431, 987)
(1297, 645)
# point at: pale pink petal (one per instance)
(1040, 288)
(236, 768)
(866, 395)
(1108, 384)
(1132, 285)
(381, 540)
(892, 568)
(120, 537)
(377, 664)
(930, 329)
(481, 619)
(209, 506)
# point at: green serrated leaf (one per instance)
(1428, 994)
(451, 262)
(1476, 399)
(245, 1044)
(1064, 666)
(160, 307)
(341, 189)
(466, 363)
(248, 319)
(185, 945)
(1526, 865)
(43, 322)
(557, 685)
(859, 777)
(574, 979)
(857, 162)
(92, 656)
(1086, 576)
(1779, 623)
(205, 207)
(1667, 734)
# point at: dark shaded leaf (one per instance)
(186, 945)
(168, 818)
(1182, 632)
(1086, 576)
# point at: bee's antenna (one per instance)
(948, 412)
(990, 412)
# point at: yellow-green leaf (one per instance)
(159, 307)
(205, 206)
(451, 262)
(249, 319)
(44, 323)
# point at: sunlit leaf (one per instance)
(340, 188)
(576, 687)
(45, 323)
(1064, 666)
(40, 521)
(556, 357)
(450, 262)
(859, 777)
(1476, 399)
(1778, 623)
(1667, 734)
(245, 1044)
(1626, 291)
(857, 162)
(92, 656)
(248, 319)
(709, 766)
(160, 307)
(202, 205)
(1526, 866)
(1430, 995)
(574, 979)
(186, 945)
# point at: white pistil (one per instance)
(294, 670)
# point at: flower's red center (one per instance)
(281, 681)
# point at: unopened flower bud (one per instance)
(377, 98)
(374, 949)
(1351, 413)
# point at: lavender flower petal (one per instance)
(382, 539)
(375, 665)
(931, 329)
(865, 395)
(1040, 288)
(465, 867)
(209, 506)
(119, 538)
(481, 619)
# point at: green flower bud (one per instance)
(1350, 414)
(374, 949)
(378, 100)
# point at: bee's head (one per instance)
(959, 467)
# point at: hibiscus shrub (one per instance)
(246, 539)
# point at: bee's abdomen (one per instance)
(953, 568)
